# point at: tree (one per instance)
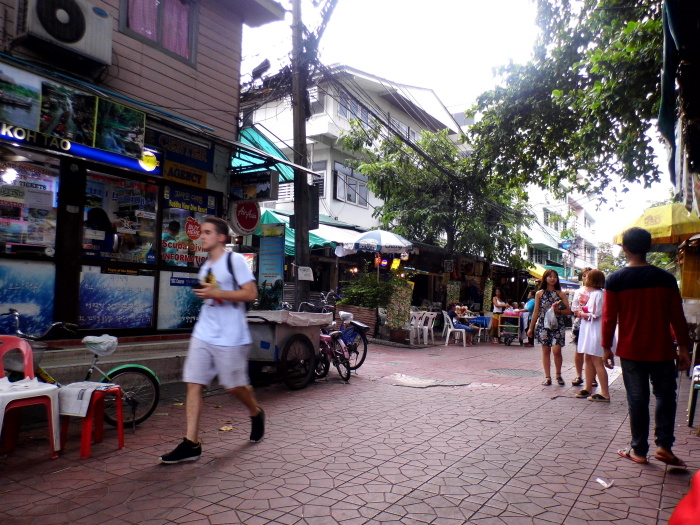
(432, 193)
(607, 261)
(579, 112)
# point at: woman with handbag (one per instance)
(551, 305)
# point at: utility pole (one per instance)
(301, 186)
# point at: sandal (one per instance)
(670, 459)
(577, 381)
(594, 384)
(627, 454)
(598, 397)
(560, 381)
(583, 394)
(547, 381)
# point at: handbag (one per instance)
(550, 320)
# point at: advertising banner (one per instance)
(271, 254)
(115, 300)
(27, 286)
(178, 306)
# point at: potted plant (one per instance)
(363, 296)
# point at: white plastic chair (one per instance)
(427, 326)
(449, 328)
(416, 325)
(28, 391)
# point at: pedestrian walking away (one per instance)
(220, 341)
(643, 301)
(550, 297)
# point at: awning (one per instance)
(267, 157)
(325, 235)
(538, 271)
(569, 285)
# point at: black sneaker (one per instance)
(185, 451)
(257, 430)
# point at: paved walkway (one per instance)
(500, 449)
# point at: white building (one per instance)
(563, 233)
(337, 95)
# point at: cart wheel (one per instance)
(509, 341)
(297, 361)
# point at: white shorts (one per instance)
(205, 361)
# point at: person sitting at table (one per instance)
(468, 328)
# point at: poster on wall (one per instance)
(120, 129)
(184, 211)
(271, 259)
(27, 286)
(111, 299)
(178, 306)
(67, 113)
(20, 95)
(27, 209)
(120, 217)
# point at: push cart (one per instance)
(289, 341)
(509, 327)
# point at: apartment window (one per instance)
(551, 220)
(168, 25)
(286, 190)
(350, 185)
(350, 108)
(590, 254)
(399, 127)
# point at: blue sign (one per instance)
(182, 151)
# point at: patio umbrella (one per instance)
(378, 241)
(668, 224)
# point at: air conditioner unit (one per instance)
(71, 25)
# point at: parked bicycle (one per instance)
(327, 304)
(140, 385)
(354, 335)
(332, 349)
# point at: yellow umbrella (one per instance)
(668, 224)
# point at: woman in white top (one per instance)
(589, 338)
(498, 305)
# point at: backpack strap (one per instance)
(236, 286)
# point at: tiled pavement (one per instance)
(501, 450)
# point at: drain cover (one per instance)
(515, 372)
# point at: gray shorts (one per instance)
(204, 362)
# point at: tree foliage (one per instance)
(579, 112)
(431, 193)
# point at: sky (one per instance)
(449, 46)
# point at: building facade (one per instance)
(118, 122)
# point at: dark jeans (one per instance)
(637, 375)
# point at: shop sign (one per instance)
(185, 174)
(182, 152)
(151, 162)
(259, 186)
(245, 217)
(189, 200)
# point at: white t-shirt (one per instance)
(223, 323)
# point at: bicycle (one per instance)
(140, 385)
(355, 338)
(326, 306)
(332, 350)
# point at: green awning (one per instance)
(248, 161)
(315, 241)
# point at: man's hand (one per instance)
(608, 358)
(207, 291)
(683, 358)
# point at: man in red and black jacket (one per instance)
(643, 301)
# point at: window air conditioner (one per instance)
(73, 25)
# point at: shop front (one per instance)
(101, 206)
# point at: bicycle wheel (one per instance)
(297, 361)
(357, 348)
(323, 364)
(140, 395)
(341, 362)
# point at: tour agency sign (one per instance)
(185, 162)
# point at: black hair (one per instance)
(174, 226)
(637, 241)
(543, 282)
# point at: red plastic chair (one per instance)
(95, 418)
(29, 391)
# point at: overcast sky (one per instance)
(450, 46)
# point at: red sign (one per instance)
(193, 229)
(245, 217)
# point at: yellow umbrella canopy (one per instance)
(668, 224)
(538, 271)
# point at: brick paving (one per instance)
(501, 449)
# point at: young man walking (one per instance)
(220, 340)
(645, 304)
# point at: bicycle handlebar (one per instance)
(13, 312)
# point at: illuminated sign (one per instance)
(151, 163)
